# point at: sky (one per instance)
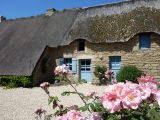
(12, 9)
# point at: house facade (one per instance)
(136, 51)
(113, 35)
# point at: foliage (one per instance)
(82, 81)
(120, 101)
(100, 73)
(130, 73)
(15, 81)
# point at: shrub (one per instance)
(130, 73)
(100, 73)
(82, 81)
(15, 81)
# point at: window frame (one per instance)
(142, 40)
(68, 61)
(81, 45)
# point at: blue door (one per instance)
(85, 70)
(115, 64)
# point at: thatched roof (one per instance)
(23, 41)
(117, 22)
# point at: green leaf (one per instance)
(98, 107)
(134, 119)
(82, 95)
(67, 93)
(153, 114)
(56, 98)
(84, 108)
(137, 113)
(92, 107)
(112, 117)
(142, 118)
(51, 99)
(57, 113)
(63, 94)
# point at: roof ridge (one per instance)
(115, 4)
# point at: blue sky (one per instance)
(25, 8)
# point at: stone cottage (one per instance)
(114, 35)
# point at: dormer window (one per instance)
(144, 41)
(81, 46)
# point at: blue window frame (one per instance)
(68, 61)
(72, 62)
(85, 65)
(144, 41)
(115, 64)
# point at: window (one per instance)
(115, 64)
(144, 41)
(68, 61)
(72, 62)
(85, 65)
(81, 46)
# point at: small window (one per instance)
(68, 61)
(81, 46)
(144, 41)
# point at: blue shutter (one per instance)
(61, 61)
(74, 65)
(145, 41)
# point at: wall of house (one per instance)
(42, 72)
(147, 60)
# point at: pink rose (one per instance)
(111, 99)
(58, 70)
(132, 86)
(109, 74)
(91, 94)
(72, 115)
(144, 91)
(95, 116)
(145, 79)
(62, 70)
(120, 95)
(132, 99)
(112, 104)
(149, 85)
(115, 81)
(45, 86)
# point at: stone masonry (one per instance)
(148, 60)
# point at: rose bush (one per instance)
(120, 101)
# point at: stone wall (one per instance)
(148, 60)
(39, 75)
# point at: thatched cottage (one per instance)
(114, 35)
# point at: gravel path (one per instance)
(20, 103)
